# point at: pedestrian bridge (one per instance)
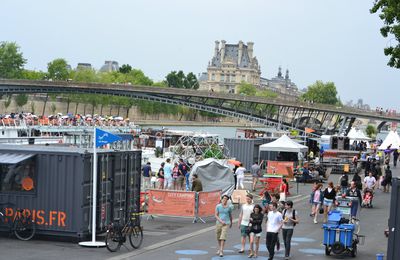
(272, 112)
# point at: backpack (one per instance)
(344, 180)
(293, 215)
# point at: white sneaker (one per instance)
(315, 222)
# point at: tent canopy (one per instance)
(357, 135)
(392, 139)
(214, 175)
(284, 144)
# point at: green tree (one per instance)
(247, 89)
(125, 68)
(371, 131)
(58, 69)
(7, 102)
(33, 75)
(191, 81)
(320, 92)
(390, 15)
(21, 100)
(11, 60)
(176, 79)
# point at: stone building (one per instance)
(109, 66)
(230, 65)
(281, 85)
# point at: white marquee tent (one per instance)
(284, 144)
(357, 135)
(392, 139)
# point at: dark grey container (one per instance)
(62, 198)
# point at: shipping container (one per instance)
(55, 185)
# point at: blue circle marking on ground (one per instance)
(313, 251)
(303, 239)
(237, 257)
(185, 259)
(191, 252)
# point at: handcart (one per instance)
(341, 233)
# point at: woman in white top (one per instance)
(240, 176)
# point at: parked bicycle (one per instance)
(117, 233)
(22, 225)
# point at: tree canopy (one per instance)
(320, 92)
(247, 89)
(58, 69)
(180, 80)
(11, 60)
(390, 15)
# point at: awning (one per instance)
(13, 158)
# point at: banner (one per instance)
(280, 168)
(172, 203)
(207, 202)
(103, 138)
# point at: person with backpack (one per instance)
(290, 219)
(183, 171)
(387, 181)
(344, 183)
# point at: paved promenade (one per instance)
(178, 238)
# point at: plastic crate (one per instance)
(329, 234)
(334, 217)
(346, 234)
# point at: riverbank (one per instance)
(194, 123)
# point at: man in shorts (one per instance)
(244, 220)
(223, 214)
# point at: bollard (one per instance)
(379, 256)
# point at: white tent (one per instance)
(214, 175)
(284, 144)
(392, 139)
(357, 135)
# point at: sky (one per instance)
(329, 40)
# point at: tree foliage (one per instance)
(371, 131)
(58, 69)
(247, 89)
(33, 75)
(125, 68)
(390, 15)
(180, 80)
(11, 60)
(320, 92)
(21, 100)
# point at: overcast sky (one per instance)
(328, 40)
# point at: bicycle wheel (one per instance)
(113, 239)
(136, 237)
(24, 228)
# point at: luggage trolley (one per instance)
(340, 234)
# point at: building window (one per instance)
(19, 177)
(222, 77)
(233, 78)
(228, 78)
(243, 77)
(213, 77)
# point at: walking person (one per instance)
(168, 174)
(290, 219)
(175, 176)
(183, 175)
(344, 183)
(355, 195)
(197, 186)
(329, 199)
(317, 198)
(223, 214)
(146, 172)
(274, 225)
(160, 176)
(256, 219)
(240, 176)
(255, 173)
(244, 220)
(395, 157)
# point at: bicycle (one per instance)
(117, 233)
(22, 225)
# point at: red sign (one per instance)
(172, 203)
(207, 202)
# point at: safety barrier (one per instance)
(182, 203)
(281, 168)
